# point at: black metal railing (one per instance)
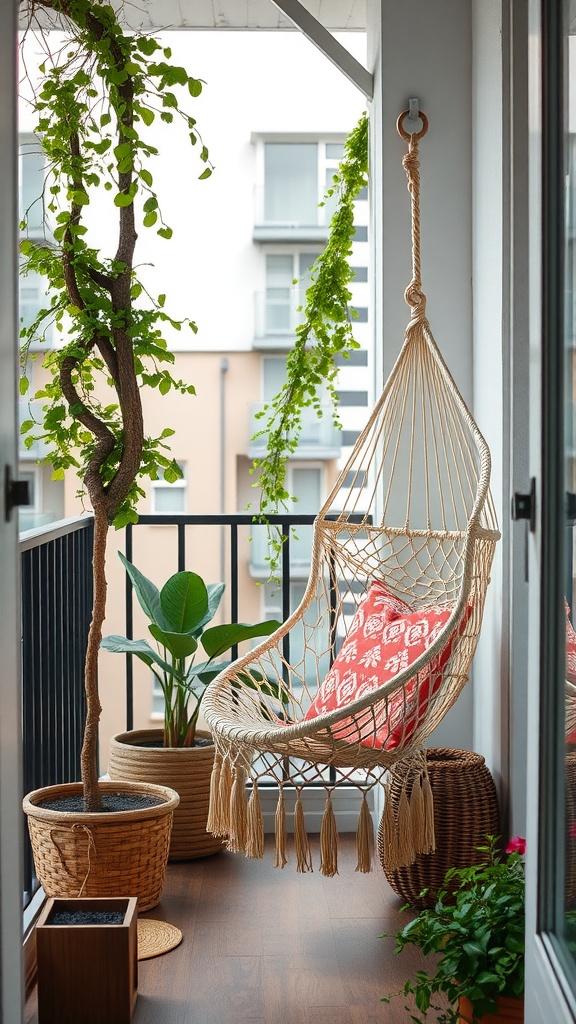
(56, 610)
(56, 607)
(56, 583)
(232, 524)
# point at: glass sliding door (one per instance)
(551, 862)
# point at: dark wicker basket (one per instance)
(465, 812)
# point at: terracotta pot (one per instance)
(184, 769)
(112, 853)
(508, 1010)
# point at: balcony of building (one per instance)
(319, 437)
(260, 944)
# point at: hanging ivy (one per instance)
(325, 334)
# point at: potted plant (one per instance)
(98, 93)
(179, 755)
(476, 928)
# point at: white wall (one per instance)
(411, 42)
(490, 706)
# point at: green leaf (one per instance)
(81, 198)
(184, 602)
(214, 591)
(150, 219)
(165, 232)
(147, 45)
(180, 645)
(26, 425)
(205, 173)
(147, 593)
(123, 199)
(146, 177)
(194, 87)
(221, 638)
(147, 115)
(164, 386)
(58, 474)
(142, 649)
(24, 385)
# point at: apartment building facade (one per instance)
(238, 265)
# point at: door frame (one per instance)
(11, 972)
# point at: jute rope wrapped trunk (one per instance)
(429, 533)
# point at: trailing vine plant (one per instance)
(98, 95)
(326, 332)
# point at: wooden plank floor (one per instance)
(264, 946)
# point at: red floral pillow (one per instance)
(570, 648)
(385, 637)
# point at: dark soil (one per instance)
(110, 802)
(86, 917)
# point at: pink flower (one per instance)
(516, 845)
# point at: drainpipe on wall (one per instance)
(223, 372)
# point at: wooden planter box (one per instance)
(87, 972)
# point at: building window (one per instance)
(296, 176)
(31, 177)
(158, 703)
(169, 497)
(283, 297)
(32, 297)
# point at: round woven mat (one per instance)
(156, 937)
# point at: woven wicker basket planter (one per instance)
(184, 769)
(465, 812)
(116, 853)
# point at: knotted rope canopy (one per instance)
(405, 539)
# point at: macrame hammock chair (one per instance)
(356, 679)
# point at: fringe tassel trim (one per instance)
(214, 823)
(280, 832)
(301, 841)
(428, 799)
(238, 824)
(411, 832)
(328, 842)
(255, 826)
(222, 822)
(365, 838)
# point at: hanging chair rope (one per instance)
(404, 543)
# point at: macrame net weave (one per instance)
(422, 468)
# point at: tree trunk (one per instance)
(89, 770)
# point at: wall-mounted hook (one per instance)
(413, 108)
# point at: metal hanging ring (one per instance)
(411, 135)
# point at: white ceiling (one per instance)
(237, 14)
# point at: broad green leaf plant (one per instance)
(475, 931)
(99, 93)
(179, 614)
(326, 333)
